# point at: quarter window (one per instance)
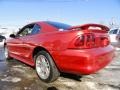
(35, 29)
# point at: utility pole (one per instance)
(112, 22)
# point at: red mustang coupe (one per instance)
(53, 47)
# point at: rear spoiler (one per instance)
(87, 26)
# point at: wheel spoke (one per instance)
(42, 67)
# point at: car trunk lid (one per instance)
(93, 36)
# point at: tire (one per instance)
(45, 67)
(6, 53)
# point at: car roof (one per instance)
(43, 22)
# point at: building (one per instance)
(6, 31)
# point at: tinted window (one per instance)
(25, 31)
(59, 25)
(2, 37)
(113, 31)
(35, 29)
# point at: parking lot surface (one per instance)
(15, 75)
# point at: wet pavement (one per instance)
(15, 75)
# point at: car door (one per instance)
(28, 42)
(16, 45)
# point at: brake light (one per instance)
(85, 41)
(90, 41)
(105, 41)
(118, 37)
(80, 41)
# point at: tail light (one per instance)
(105, 41)
(90, 40)
(80, 41)
(86, 41)
(118, 37)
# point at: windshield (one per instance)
(59, 25)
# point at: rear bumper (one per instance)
(85, 61)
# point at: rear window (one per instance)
(59, 25)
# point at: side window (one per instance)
(113, 31)
(35, 29)
(26, 30)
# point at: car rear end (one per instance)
(89, 51)
(115, 37)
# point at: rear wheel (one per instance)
(45, 67)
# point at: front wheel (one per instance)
(6, 53)
(45, 67)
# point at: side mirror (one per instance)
(12, 35)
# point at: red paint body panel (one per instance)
(84, 61)
(60, 46)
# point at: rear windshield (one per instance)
(59, 25)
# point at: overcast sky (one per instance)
(20, 12)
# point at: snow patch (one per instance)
(91, 85)
(11, 79)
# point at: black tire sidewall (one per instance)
(5, 47)
(50, 63)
